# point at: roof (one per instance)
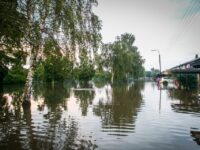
(195, 61)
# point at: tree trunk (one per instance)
(112, 77)
(28, 86)
(29, 82)
(36, 47)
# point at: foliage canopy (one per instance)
(122, 58)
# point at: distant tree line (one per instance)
(152, 73)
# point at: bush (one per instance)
(84, 72)
(16, 75)
(54, 69)
(187, 81)
(102, 76)
(39, 72)
(165, 83)
(57, 69)
(3, 73)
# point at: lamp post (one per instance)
(159, 59)
(160, 75)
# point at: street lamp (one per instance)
(159, 59)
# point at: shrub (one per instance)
(102, 76)
(17, 74)
(187, 81)
(84, 72)
(39, 72)
(57, 69)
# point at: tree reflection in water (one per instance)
(196, 136)
(85, 97)
(46, 128)
(184, 101)
(85, 94)
(119, 114)
(11, 119)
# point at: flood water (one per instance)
(99, 116)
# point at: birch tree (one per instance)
(70, 24)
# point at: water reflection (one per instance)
(85, 97)
(48, 127)
(64, 116)
(6, 102)
(54, 95)
(196, 136)
(119, 114)
(184, 101)
(187, 101)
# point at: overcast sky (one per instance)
(170, 26)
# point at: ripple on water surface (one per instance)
(136, 116)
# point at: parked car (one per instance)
(167, 80)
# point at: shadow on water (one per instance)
(40, 128)
(119, 113)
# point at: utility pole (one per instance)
(159, 59)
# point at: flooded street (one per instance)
(135, 116)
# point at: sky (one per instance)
(170, 26)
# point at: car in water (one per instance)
(168, 82)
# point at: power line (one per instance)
(187, 21)
(183, 21)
